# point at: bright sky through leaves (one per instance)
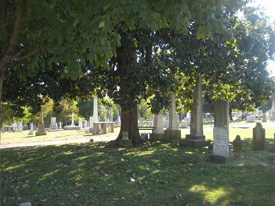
(269, 6)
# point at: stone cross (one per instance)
(258, 137)
(238, 144)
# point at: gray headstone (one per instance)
(238, 144)
(258, 137)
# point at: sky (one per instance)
(269, 6)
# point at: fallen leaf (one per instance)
(43, 200)
(231, 189)
(123, 198)
(132, 179)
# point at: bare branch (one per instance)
(13, 39)
(28, 55)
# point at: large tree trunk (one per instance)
(129, 117)
(6, 54)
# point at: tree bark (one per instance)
(129, 118)
(7, 54)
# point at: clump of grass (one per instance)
(156, 174)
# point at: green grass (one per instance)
(157, 174)
(23, 137)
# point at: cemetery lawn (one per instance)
(23, 137)
(152, 174)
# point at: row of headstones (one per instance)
(258, 139)
(16, 127)
(150, 123)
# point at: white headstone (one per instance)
(80, 123)
(31, 129)
(20, 126)
(53, 123)
(250, 118)
(85, 124)
(72, 120)
(220, 142)
(125, 136)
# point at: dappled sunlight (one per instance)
(46, 176)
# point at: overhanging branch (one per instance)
(28, 55)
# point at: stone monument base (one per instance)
(194, 141)
(219, 159)
(71, 128)
(156, 137)
(172, 135)
(31, 132)
(40, 133)
(125, 143)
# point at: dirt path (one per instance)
(96, 139)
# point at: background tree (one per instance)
(126, 70)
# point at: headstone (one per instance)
(264, 117)
(158, 131)
(91, 122)
(85, 124)
(20, 126)
(258, 137)
(31, 129)
(250, 118)
(183, 124)
(60, 125)
(238, 144)
(53, 123)
(272, 112)
(258, 115)
(221, 133)
(172, 132)
(125, 141)
(72, 120)
(188, 120)
(140, 121)
(196, 137)
(80, 123)
(41, 126)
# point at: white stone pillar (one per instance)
(158, 131)
(95, 110)
(72, 120)
(172, 132)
